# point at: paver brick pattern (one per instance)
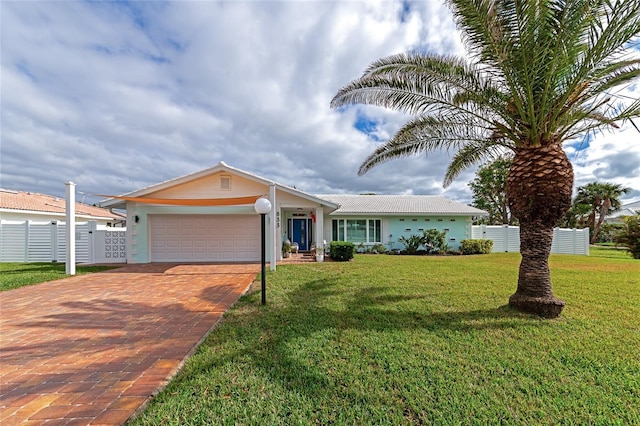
(92, 349)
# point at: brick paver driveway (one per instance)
(92, 349)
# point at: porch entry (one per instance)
(301, 232)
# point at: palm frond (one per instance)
(428, 134)
(474, 153)
(539, 72)
(413, 83)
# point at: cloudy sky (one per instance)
(116, 96)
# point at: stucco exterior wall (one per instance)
(211, 187)
(393, 227)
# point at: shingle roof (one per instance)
(399, 205)
(33, 201)
(629, 209)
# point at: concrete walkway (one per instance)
(93, 349)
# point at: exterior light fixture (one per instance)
(262, 207)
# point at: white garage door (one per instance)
(204, 238)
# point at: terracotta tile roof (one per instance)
(33, 201)
(399, 205)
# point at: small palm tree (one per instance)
(539, 74)
(602, 199)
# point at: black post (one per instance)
(263, 277)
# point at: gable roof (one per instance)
(21, 201)
(220, 167)
(396, 205)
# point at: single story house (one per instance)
(209, 216)
(627, 209)
(20, 206)
(373, 219)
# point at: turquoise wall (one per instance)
(457, 228)
(393, 227)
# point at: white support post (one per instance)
(319, 229)
(71, 228)
(273, 240)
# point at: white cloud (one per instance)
(120, 95)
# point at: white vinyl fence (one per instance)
(507, 239)
(30, 241)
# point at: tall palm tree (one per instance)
(538, 73)
(603, 198)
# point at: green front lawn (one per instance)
(418, 340)
(14, 275)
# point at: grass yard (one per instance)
(418, 340)
(609, 251)
(15, 275)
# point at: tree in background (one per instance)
(630, 235)
(537, 74)
(490, 191)
(599, 200)
(576, 216)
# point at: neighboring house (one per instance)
(372, 219)
(22, 206)
(209, 216)
(629, 209)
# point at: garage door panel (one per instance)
(204, 238)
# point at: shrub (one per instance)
(476, 246)
(608, 232)
(342, 250)
(411, 244)
(432, 240)
(379, 248)
(435, 241)
(630, 235)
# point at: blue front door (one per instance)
(300, 233)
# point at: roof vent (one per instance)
(225, 183)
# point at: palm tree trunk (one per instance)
(539, 190)
(604, 210)
(534, 294)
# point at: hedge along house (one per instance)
(383, 219)
(209, 216)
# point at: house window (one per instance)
(357, 230)
(225, 183)
(337, 228)
(374, 231)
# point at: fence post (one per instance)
(93, 227)
(27, 224)
(507, 237)
(54, 241)
(71, 228)
(586, 241)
